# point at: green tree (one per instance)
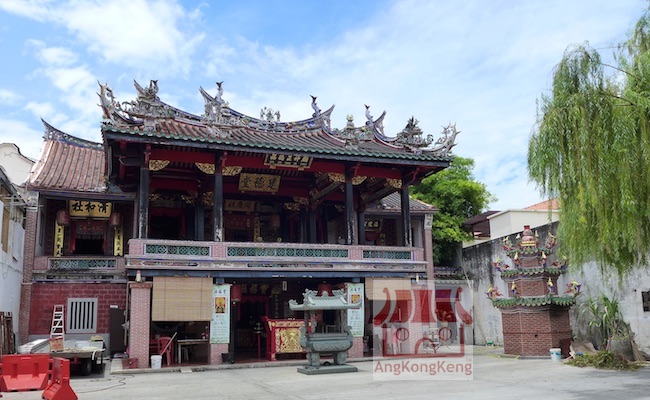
(591, 150)
(457, 196)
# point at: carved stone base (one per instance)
(327, 369)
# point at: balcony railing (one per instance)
(81, 263)
(78, 268)
(156, 253)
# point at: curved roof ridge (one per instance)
(68, 163)
(40, 163)
(54, 134)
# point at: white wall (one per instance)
(508, 222)
(11, 270)
(627, 291)
(16, 165)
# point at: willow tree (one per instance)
(591, 150)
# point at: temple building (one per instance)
(200, 228)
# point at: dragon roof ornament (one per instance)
(51, 133)
(411, 136)
(219, 119)
(446, 141)
(353, 135)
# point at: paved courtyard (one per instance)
(495, 377)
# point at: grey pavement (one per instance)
(494, 377)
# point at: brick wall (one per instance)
(140, 322)
(46, 295)
(28, 266)
(215, 353)
(532, 286)
(534, 332)
(356, 351)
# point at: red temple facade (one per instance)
(139, 234)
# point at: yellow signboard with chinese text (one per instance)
(118, 241)
(93, 209)
(287, 160)
(239, 205)
(259, 182)
(58, 240)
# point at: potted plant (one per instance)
(613, 332)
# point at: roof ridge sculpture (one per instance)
(52, 133)
(148, 107)
(219, 121)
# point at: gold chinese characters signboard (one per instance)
(259, 183)
(239, 205)
(287, 160)
(93, 209)
(59, 232)
(118, 241)
(373, 224)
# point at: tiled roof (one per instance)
(68, 164)
(552, 204)
(221, 127)
(479, 225)
(312, 141)
(393, 203)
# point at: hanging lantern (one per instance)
(115, 219)
(63, 217)
(324, 288)
(275, 221)
(235, 293)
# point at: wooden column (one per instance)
(361, 226)
(304, 234)
(406, 214)
(349, 209)
(143, 198)
(428, 250)
(313, 228)
(199, 215)
(217, 201)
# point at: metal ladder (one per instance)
(57, 331)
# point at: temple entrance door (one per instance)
(167, 223)
(249, 326)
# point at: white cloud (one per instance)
(41, 110)
(58, 56)
(135, 32)
(8, 97)
(481, 65)
(149, 35)
(18, 132)
(35, 9)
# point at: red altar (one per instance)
(282, 336)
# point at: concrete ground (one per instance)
(494, 377)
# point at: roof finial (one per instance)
(315, 106)
(219, 91)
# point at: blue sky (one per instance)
(479, 64)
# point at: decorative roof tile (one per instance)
(68, 164)
(224, 128)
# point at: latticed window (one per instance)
(82, 315)
(645, 297)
